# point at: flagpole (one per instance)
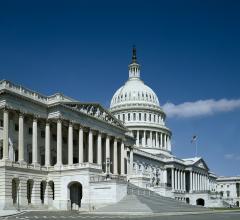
(196, 148)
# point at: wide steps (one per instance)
(143, 200)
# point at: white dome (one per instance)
(134, 91)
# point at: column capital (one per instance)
(80, 127)
(48, 121)
(35, 117)
(21, 113)
(70, 123)
(6, 108)
(59, 119)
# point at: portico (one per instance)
(55, 141)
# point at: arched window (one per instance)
(139, 116)
(128, 116)
(150, 117)
(145, 117)
(134, 116)
(123, 117)
(154, 118)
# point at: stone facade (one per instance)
(154, 166)
(51, 147)
(59, 153)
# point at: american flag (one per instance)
(194, 138)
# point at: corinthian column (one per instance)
(80, 145)
(191, 182)
(137, 138)
(21, 138)
(59, 142)
(131, 161)
(122, 159)
(161, 138)
(5, 133)
(107, 148)
(144, 139)
(34, 142)
(115, 159)
(151, 139)
(157, 140)
(47, 144)
(172, 178)
(99, 149)
(70, 144)
(90, 145)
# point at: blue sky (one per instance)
(189, 51)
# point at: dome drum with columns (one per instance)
(138, 107)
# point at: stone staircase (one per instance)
(144, 200)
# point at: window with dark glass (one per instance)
(16, 127)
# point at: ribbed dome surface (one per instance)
(134, 91)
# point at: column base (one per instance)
(36, 165)
(57, 166)
(22, 163)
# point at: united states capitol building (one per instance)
(59, 153)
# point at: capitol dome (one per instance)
(134, 91)
(137, 106)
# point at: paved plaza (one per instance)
(76, 215)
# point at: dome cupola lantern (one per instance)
(134, 67)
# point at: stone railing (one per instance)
(75, 166)
(163, 185)
(25, 165)
(105, 178)
(200, 191)
(4, 84)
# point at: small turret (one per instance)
(134, 67)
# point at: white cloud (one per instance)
(200, 107)
(231, 157)
(228, 156)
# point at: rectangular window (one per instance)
(228, 193)
(140, 116)
(16, 127)
(54, 137)
(134, 116)
(1, 123)
(123, 117)
(64, 140)
(43, 134)
(30, 130)
(75, 142)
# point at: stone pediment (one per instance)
(201, 164)
(95, 110)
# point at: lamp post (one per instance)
(108, 162)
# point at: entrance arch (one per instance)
(187, 200)
(43, 191)
(200, 202)
(75, 193)
(29, 190)
(15, 184)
